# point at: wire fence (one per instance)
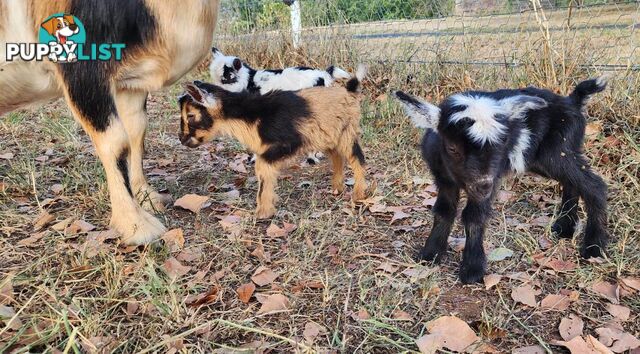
(560, 35)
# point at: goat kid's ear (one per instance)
(518, 106)
(423, 114)
(215, 51)
(200, 96)
(237, 64)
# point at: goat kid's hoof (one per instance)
(429, 255)
(563, 229)
(155, 202)
(592, 251)
(265, 213)
(471, 274)
(138, 228)
(359, 195)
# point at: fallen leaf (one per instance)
(618, 311)
(398, 215)
(263, 276)
(525, 294)
(312, 330)
(189, 255)
(556, 302)
(499, 254)
(238, 166)
(273, 303)
(429, 343)
(597, 346)
(506, 196)
(457, 244)
(231, 196)
(276, 231)
(578, 345)
(29, 241)
(62, 225)
(260, 253)
(42, 220)
(174, 239)
(401, 316)
(7, 156)
(452, 332)
(245, 291)
(491, 280)
(593, 129)
(560, 266)
(175, 269)
(77, 227)
(192, 202)
(7, 315)
(420, 272)
(607, 290)
(206, 298)
(362, 314)
(430, 201)
(132, 307)
(616, 340)
(6, 289)
(57, 188)
(387, 267)
(570, 327)
(533, 349)
(231, 224)
(633, 283)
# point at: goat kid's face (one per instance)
(198, 111)
(474, 132)
(226, 71)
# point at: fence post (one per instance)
(296, 23)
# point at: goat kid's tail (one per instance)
(355, 84)
(338, 73)
(587, 88)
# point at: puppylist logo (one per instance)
(62, 39)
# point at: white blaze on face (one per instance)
(216, 69)
(483, 111)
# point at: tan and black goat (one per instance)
(278, 126)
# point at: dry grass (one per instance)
(69, 298)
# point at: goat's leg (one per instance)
(92, 103)
(593, 191)
(355, 157)
(565, 225)
(474, 217)
(337, 163)
(267, 174)
(131, 109)
(444, 214)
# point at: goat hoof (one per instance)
(563, 229)
(471, 274)
(592, 251)
(265, 213)
(434, 256)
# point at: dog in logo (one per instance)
(61, 27)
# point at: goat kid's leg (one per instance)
(593, 191)
(444, 214)
(337, 179)
(354, 155)
(267, 178)
(565, 225)
(131, 109)
(474, 217)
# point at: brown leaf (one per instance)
(174, 239)
(633, 283)
(570, 327)
(525, 294)
(132, 307)
(192, 202)
(556, 302)
(593, 129)
(401, 316)
(618, 311)
(387, 267)
(312, 330)
(506, 196)
(273, 303)
(238, 166)
(62, 225)
(452, 332)
(261, 254)
(57, 188)
(245, 291)
(362, 314)
(430, 201)
(206, 298)
(42, 220)
(578, 345)
(7, 156)
(398, 215)
(616, 340)
(175, 269)
(607, 290)
(560, 266)
(429, 343)
(6, 289)
(275, 231)
(491, 280)
(420, 272)
(231, 224)
(263, 276)
(534, 349)
(77, 227)
(457, 244)
(7, 315)
(29, 241)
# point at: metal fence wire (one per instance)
(592, 34)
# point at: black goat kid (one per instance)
(483, 136)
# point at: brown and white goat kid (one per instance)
(279, 126)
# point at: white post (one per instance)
(296, 23)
